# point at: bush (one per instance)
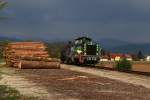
(54, 49)
(123, 65)
(8, 93)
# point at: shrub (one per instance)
(8, 93)
(54, 49)
(123, 65)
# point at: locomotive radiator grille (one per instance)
(91, 49)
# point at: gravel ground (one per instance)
(136, 79)
(64, 83)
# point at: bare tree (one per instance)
(3, 4)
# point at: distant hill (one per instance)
(4, 38)
(132, 48)
(120, 46)
(108, 43)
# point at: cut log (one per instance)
(40, 59)
(28, 47)
(31, 53)
(14, 43)
(38, 65)
(26, 55)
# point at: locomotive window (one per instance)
(78, 42)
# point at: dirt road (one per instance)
(135, 79)
(66, 84)
(13, 78)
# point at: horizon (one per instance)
(69, 39)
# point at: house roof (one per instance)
(128, 56)
(114, 55)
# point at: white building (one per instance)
(104, 58)
(148, 58)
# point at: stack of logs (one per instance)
(29, 55)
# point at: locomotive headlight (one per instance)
(97, 48)
(79, 51)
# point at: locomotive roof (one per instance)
(80, 38)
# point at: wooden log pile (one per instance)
(29, 55)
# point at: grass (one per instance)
(8, 93)
(1, 60)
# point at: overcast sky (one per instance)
(127, 20)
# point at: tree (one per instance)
(103, 52)
(108, 55)
(140, 55)
(2, 5)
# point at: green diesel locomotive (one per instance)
(81, 51)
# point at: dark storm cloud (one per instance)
(50, 19)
